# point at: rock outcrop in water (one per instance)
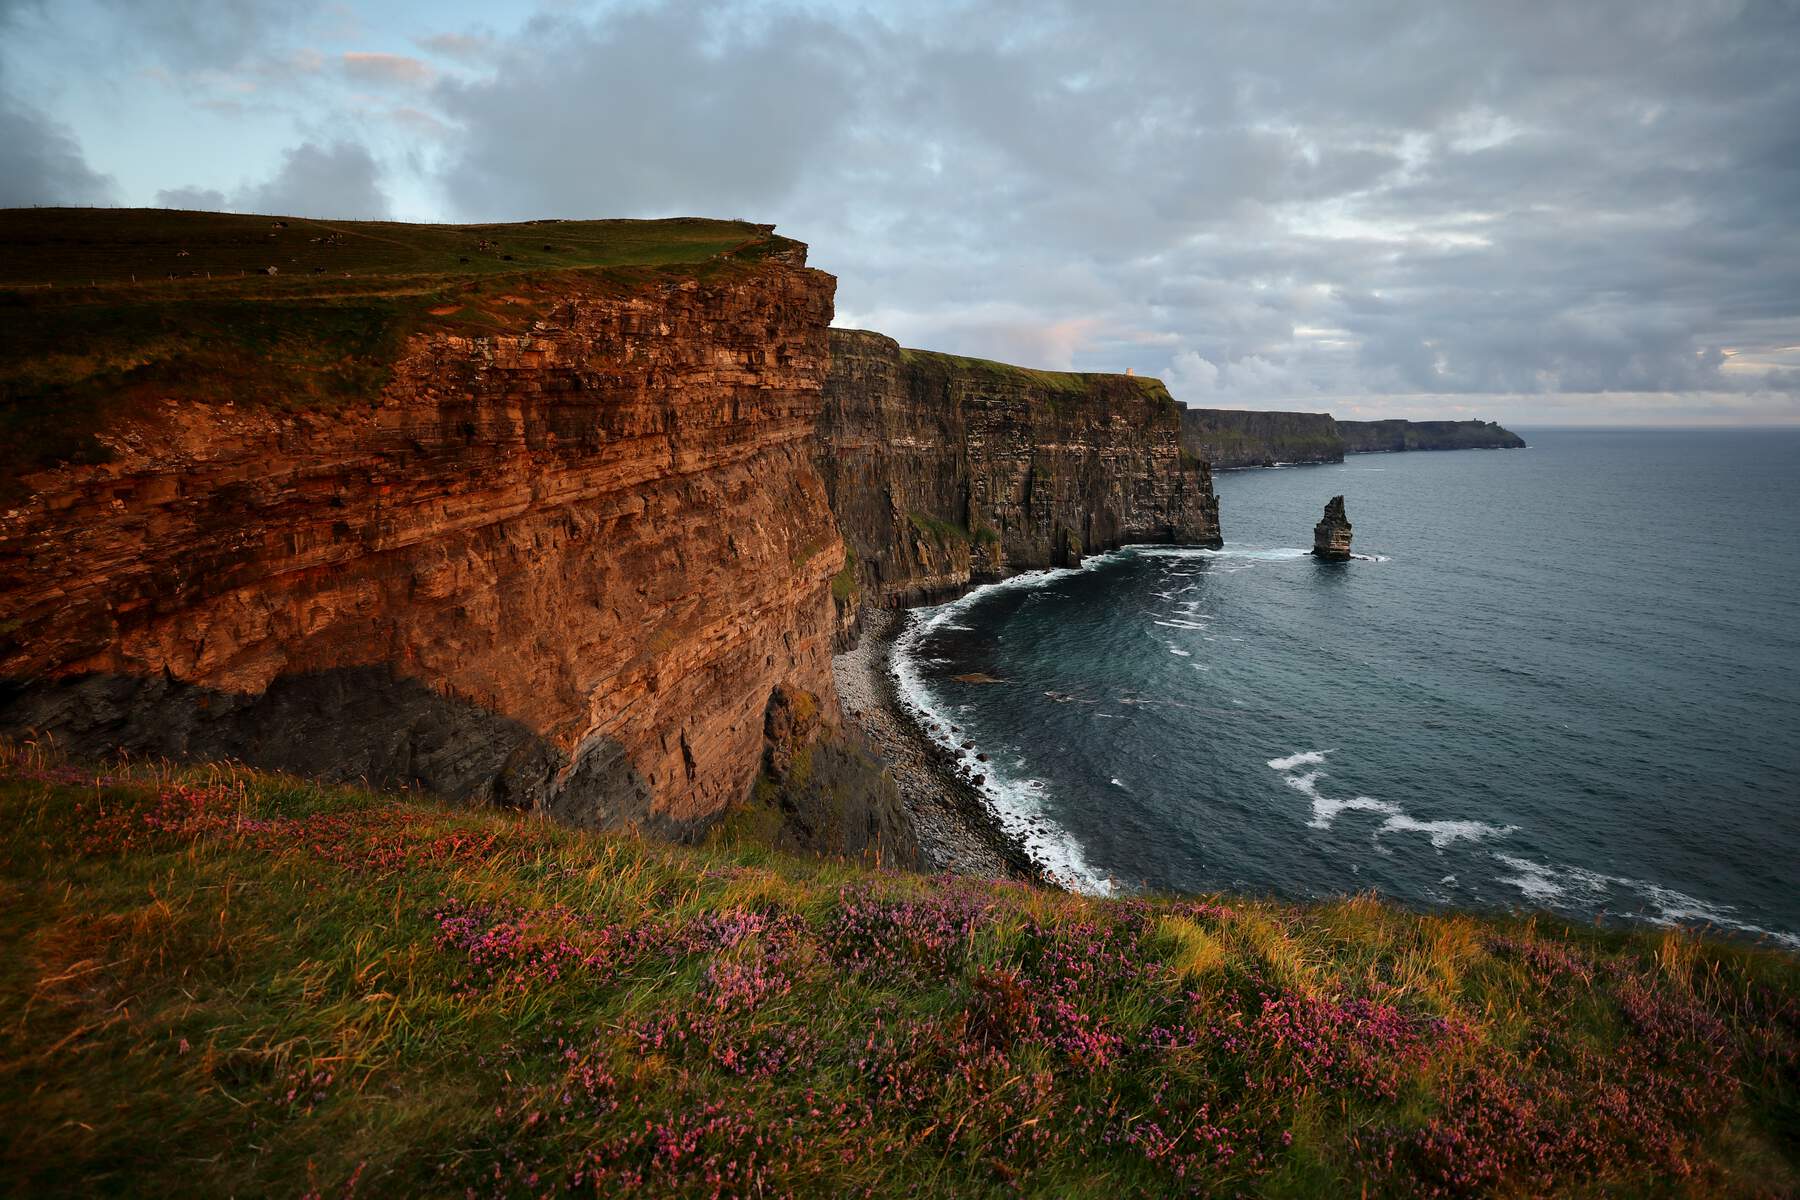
(563, 565)
(947, 471)
(1331, 536)
(1225, 437)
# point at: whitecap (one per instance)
(1302, 759)
(1443, 833)
(1226, 552)
(1666, 906)
(1533, 880)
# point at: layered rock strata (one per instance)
(947, 471)
(1331, 536)
(1226, 437)
(565, 569)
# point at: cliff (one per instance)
(548, 538)
(947, 471)
(1367, 437)
(1227, 437)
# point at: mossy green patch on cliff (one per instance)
(225, 983)
(937, 529)
(83, 343)
(844, 584)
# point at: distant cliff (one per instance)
(1231, 437)
(1228, 437)
(1367, 437)
(946, 471)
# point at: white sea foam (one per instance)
(1533, 878)
(1325, 809)
(1443, 833)
(1225, 552)
(1017, 803)
(1181, 624)
(1651, 902)
(1303, 759)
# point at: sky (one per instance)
(1541, 213)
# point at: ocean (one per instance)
(1561, 678)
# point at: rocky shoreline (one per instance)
(956, 829)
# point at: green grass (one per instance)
(79, 248)
(93, 327)
(1056, 386)
(937, 529)
(215, 982)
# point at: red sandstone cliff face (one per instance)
(565, 569)
(946, 471)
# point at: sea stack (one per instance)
(1331, 536)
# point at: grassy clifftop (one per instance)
(81, 247)
(1054, 383)
(216, 982)
(104, 311)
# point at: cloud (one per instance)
(387, 70)
(1193, 379)
(191, 34)
(42, 163)
(196, 199)
(462, 47)
(339, 180)
(651, 111)
(1276, 204)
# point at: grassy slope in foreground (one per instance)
(223, 983)
(106, 311)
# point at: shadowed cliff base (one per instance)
(820, 791)
(350, 725)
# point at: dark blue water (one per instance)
(1569, 678)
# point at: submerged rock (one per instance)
(1331, 536)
